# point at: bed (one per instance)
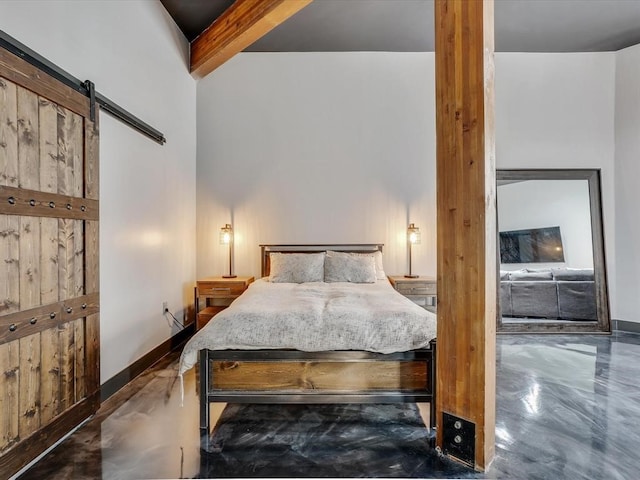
(317, 328)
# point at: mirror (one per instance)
(552, 274)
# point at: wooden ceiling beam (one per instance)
(244, 22)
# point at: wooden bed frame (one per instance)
(293, 376)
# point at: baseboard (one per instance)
(626, 326)
(120, 379)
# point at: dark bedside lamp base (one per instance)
(412, 276)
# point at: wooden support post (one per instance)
(466, 225)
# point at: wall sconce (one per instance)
(413, 237)
(226, 238)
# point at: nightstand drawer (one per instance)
(416, 289)
(218, 289)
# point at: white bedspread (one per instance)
(316, 317)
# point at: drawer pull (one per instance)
(220, 289)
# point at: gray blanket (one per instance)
(316, 316)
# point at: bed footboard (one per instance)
(292, 376)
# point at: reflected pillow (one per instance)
(529, 275)
(349, 267)
(296, 267)
(573, 274)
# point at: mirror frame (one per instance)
(603, 323)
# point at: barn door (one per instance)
(49, 300)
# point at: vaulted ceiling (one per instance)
(407, 25)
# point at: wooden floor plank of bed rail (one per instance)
(307, 376)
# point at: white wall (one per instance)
(557, 111)
(549, 203)
(137, 57)
(317, 148)
(627, 175)
(326, 147)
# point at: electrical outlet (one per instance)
(165, 307)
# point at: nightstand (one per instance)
(421, 290)
(214, 294)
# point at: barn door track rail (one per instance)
(86, 88)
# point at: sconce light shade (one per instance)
(413, 238)
(226, 238)
(226, 234)
(413, 234)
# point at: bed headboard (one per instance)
(351, 248)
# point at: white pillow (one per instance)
(349, 267)
(296, 267)
(377, 256)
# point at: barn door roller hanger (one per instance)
(86, 88)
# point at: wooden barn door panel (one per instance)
(49, 293)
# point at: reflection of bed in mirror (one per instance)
(316, 341)
(552, 271)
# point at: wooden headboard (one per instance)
(351, 248)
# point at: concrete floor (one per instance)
(566, 408)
